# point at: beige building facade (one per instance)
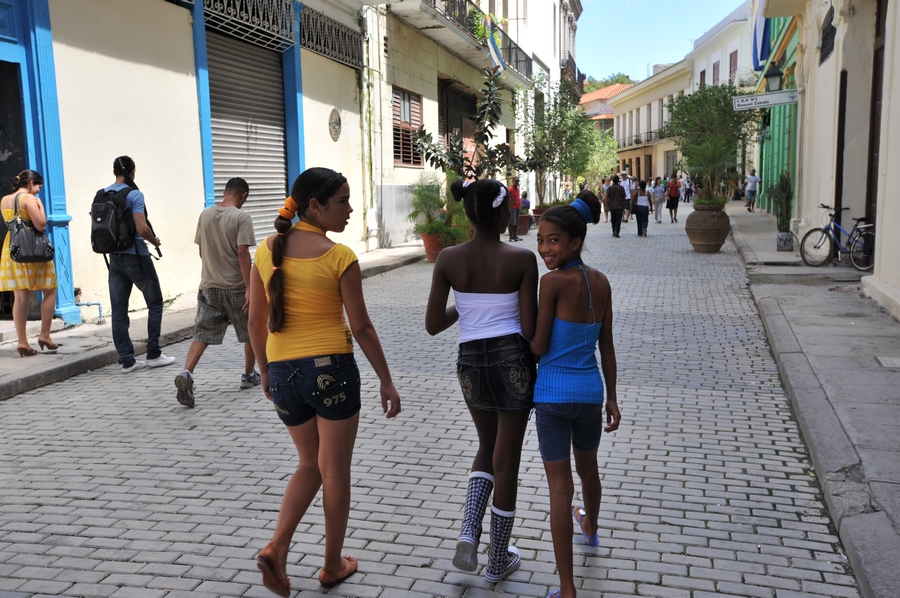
(640, 113)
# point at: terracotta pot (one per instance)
(707, 227)
(522, 226)
(433, 246)
(538, 212)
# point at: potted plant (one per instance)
(430, 217)
(709, 132)
(781, 195)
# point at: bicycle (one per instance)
(820, 245)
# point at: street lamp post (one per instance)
(773, 77)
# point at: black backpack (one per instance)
(112, 227)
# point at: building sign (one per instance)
(766, 100)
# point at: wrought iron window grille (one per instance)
(265, 23)
(323, 35)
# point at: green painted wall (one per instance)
(777, 152)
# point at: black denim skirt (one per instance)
(497, 374)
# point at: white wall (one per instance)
(126, 89)
(329, 85)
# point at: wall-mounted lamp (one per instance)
(773, 77)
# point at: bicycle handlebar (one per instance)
(830, 209)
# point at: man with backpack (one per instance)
(119, 223)
(225, 236)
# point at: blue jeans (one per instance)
(642, 215)
(127, 271)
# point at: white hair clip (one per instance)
(500, 197)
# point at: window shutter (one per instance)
(405, 151)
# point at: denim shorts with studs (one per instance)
(497, 374)
(326, 386)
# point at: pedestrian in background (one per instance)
(629, 187)
(641, 208)
(300, 284)
(515, 204)
(673, 197)
(688, 189)
(607, 181)
(526, 205)
(131, 268)
(495, 291)
(750, 186)
(616, 199)
(658, 191)
(22, 278)
(224, 236)
(575, 316)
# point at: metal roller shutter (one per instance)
(246, 91)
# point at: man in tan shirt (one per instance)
(225, 235)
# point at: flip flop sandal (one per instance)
(589, 539)
(554, 594)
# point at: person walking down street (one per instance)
(629, 187)
(658, 192)
(574, 317)
(515, 204)
(603, 188)
(616, 199)
(641, 208)
(495, 291)
(673, 197)
(300, 285)
(225, 236)
(133, 267)
(22, 278)
(688, 189)
(682, 187)
(750, 185)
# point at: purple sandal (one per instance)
(589, 539)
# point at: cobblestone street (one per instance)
(111, 488)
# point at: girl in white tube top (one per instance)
(495, 287)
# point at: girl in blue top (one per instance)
(574, 316)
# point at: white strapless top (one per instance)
(487, 315)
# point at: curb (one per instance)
(871, 542)
(104, 356)
(743, 247)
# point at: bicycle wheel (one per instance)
(862, 250)
(817, 248)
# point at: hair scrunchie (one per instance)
(289, 210)
(498, 201)
(583, 210)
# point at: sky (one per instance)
(625, 35)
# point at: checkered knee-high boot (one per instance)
(503, 559)
(478, 495)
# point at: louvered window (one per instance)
(407, 110)
(715, 73)
(702, 77)
(732, 67)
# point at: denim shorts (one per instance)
(327, 386)
(497, 374)
(560, 425)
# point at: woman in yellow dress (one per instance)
(21, 279)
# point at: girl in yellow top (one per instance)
(300, 284)
(21, 279)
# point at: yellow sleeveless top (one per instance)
(314, 322)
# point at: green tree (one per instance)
(710, 133)
(595, 84)
(557, 136)
(604, 161)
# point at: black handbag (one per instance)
(26, 244)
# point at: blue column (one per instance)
(293, 104)
(48, 151)
(202, 68)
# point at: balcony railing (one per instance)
(642, 138)
(570, 71)
(514, 56)
(468, 17)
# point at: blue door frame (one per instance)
(293, 103)
(26, 39)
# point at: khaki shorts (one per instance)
(216, 309)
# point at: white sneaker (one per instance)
(160, 361)
(138, 365)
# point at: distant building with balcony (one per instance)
(640, 115)
(595, 105)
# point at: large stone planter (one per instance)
(433, 246)
(538, 212)
(707, 227)
(785, 242)
(522, 225)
